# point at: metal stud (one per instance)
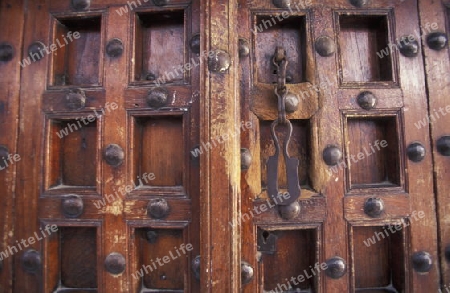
(332, 155)
(290, 211)
(36, 51)
(437, 41)
(158, 208)
(157, 97)
(161, 2)
(422, 261)
(113, 155)
(81, 4)
(416, 152)
(195, 43)
(282, 3)
(325, 46)
(409, 48)
(292, 102)
(196, 267)
(359, 3)
(31, 261)
(150, 76)
(246, 159)
(114, 48)
(219, 61)
(447, 253)
(6, 52)
(443, 145)
(4, 153)
(151, 236)
(115, 263)
(374, 207)
(246, 273)
(366, 100)
(75, 99)
(72, 206)
(244, 48)
(336, 267)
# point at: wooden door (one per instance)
(107, 187)
(365, 220)
(437, 64)
(144, 130)
(11, 40)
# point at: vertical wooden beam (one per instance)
(220, 166)
(418, 176)
(115, 238)
(437, 68)
(11, 21)
(327, 124)
(33, 84)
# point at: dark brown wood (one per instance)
(220, 167)
(66, 148)
(175, 118)
(372, 141)
(437, 64)
(11, 12)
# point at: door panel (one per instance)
(108, 133)
(145, 133)
(11, 40)
(351, 132)
(435, 25)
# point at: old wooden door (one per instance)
(107, 194)
(365, 220)
(144, 132)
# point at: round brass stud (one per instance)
(366, 100)
(416, 152)
(75, 99)
(195, 43)
(219, 62)
(422, 261)
(332, 155)
(6, 52)
(290, 211)
(291, 102)
(244, 48)
(336, 267)
(374, 207)
(246, 273)
(282, 3)
(31, 261)
(443, 145)
(409, 48)
(81, 4)
(115, 263)
(437, 41)
(157, 97)
(114, 48)
(246, 159)
(158, 208)
(72, 206)
(113, 155)
(325, 46)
